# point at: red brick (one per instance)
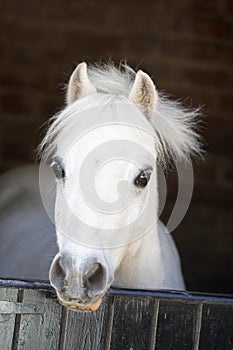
(24, 9)
(14, 103)
(207, 7)
(215, 27)
(91, 43)
(226, 102)
(17, 151)
(214, 77)
(23, 78)
(216, 195)
(225, 173)
(228, 8)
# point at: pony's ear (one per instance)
(144, 93)
(79, 84)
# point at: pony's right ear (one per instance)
(79, 84)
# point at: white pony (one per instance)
(103, 148)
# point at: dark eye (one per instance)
(58, 168)
(143, 178)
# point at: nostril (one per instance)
(92, 272)
(95, 277)
(57, 274)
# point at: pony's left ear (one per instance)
(79, 84)
(144, 93)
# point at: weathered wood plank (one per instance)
(40, 332)
(12, 307)
(7, 321)
(176, 325)
(132, 323)
(85, 331)
(217, 327)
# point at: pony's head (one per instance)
(104, 147)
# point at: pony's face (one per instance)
(104, 181)
(105, 165)
(104, 172)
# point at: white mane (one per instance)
(174, 125)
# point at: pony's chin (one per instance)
(81, 307)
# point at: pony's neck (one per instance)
(142, 266)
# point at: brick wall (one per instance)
(186, 45)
